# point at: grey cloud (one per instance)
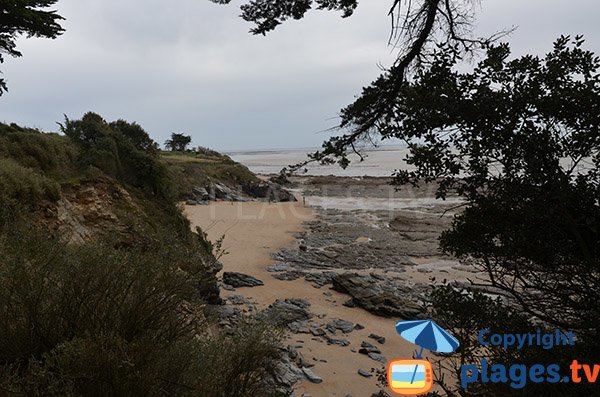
(191, 66)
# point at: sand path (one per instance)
(255, 230)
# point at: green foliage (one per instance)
(121, 314)
(91, 320)
(236, 365)
(26, 17)
(20, 186)
(136, 135)
(268, 14)
(50, 154)
(465, 312)
(515, 139)
(121, 150)
(178, 142)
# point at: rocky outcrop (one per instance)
(283, 312)
(91, 210)
(379, 295)
(237, 280)
(269, 191)
(291, 368)
(266, 191)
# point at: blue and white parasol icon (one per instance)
(428, 335)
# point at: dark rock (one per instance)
(311, 376)
(237, 299)
(379, 339)
(365, 373)
(224, 313)
(366, 348)
(283, 312)
(200, 194)
(339, 342)
(286, 372)
(278, 267)
(319, 279)
(280, 179)
(226, 287)
(358, 326)
(377, 357)
(240, 280)
(317, 331)
(381, 298)
(288, 276)
(342, 325)
(298, 358)
(269, 191)
(349, 303)
(299, 327)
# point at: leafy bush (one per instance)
(121, 150)
(91, 320)
(206, 151)
(111, 317)
(48, 153)
(23, 186)
(235, 365)
(465, 312)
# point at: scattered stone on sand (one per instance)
(311, 376)
(365, 373)
(377, 338)
(377, 357)
(237, 280)
(342, 325)
(358, 326)
(366, 348)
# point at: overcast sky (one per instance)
(191, 66)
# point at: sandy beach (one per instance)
(253, 231)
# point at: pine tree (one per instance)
(25, 17)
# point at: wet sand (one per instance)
(253, 231)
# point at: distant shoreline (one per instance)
(377, 162)
(306, 150)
